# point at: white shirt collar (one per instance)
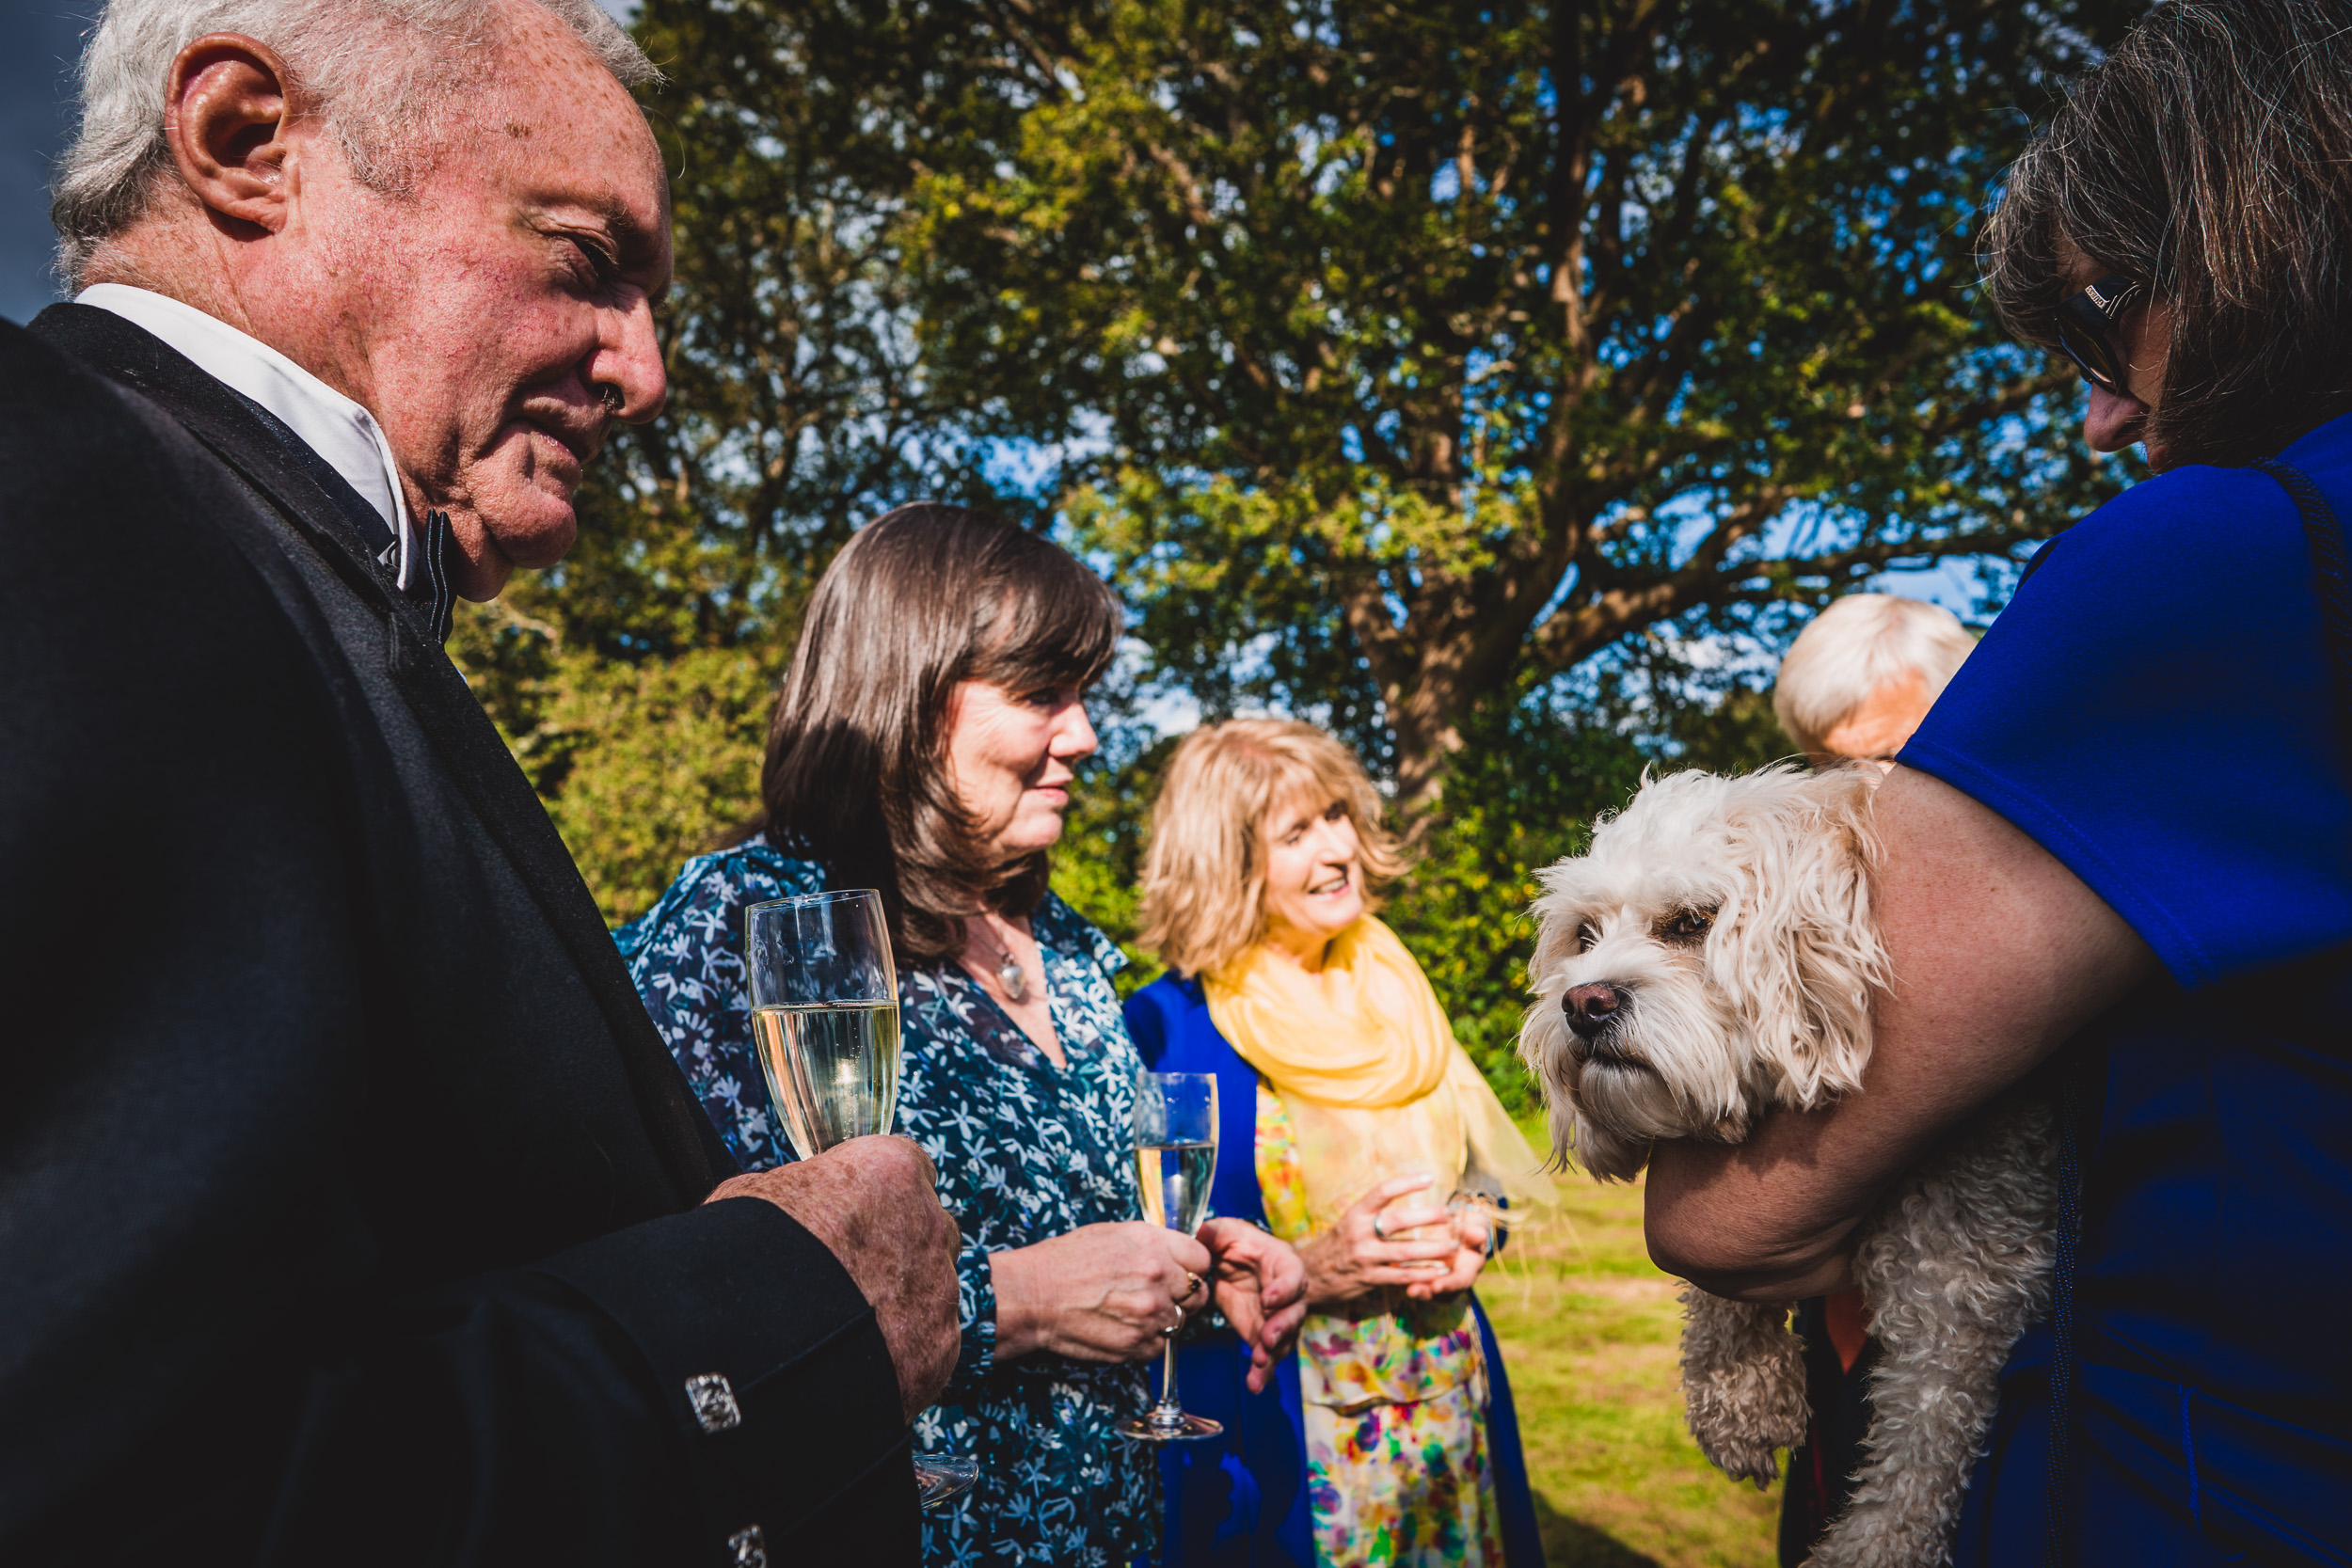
(344, 434)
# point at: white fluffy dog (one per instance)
(1710, 958)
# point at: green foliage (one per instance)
(1520, 794)
(1424, 370)
(1429, 350)
(659, 761)
(641, 765)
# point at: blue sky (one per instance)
(36, 107)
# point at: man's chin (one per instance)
(489, 547)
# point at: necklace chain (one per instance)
(1009, 974)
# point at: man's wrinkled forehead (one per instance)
(568, 138)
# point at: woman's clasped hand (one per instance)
(1389, 1237)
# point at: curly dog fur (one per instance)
(1711, 957)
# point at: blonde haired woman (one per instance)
(1356, 1128)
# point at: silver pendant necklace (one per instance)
(1009, 974)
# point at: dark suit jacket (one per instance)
(348, 1200)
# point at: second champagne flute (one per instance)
(825, 1019)
(1175, 1161)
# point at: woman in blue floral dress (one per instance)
(922, 745)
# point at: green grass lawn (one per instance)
(1588, 1328)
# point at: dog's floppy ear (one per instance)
(1802, 954)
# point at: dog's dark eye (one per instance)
(1587, 937)
(1686, 925)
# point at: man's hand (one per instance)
(1260, 1287)
(874, 1202)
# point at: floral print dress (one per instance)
(1394, 1394)
(1025, 1151)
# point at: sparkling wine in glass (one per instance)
(825, 1022)
(1175, 1160)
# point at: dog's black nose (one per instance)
(1591, 1006)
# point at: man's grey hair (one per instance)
(1855, 647)
(381, 73)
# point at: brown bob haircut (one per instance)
(2208, 158)
(919, 600)
(1205, 872)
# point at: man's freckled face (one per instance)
(490, 309)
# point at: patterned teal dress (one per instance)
(1025, 1151)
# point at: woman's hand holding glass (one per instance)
(1101, 1292)
(1380, 1242)
(1108, 1292)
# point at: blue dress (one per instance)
(1240, 1500)
(1025, 1151)
(2156, 709)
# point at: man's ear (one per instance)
(227, 107)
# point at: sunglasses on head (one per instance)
(2086, 329)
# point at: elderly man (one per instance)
(1861, 676)
(351, 1210)
(1856, 682)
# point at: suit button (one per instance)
(713, 1398)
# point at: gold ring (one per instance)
(1191, 1289)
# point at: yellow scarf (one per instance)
(1375, 1083)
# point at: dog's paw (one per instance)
(1739, 1455)
(1742, 1420)
(1742, 1384)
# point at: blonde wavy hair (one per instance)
(1204, 872)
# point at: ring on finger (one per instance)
(1192, 1287)
(1381, 1226)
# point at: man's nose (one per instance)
(1591, 1006)
(628, 360)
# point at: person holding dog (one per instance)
(2119, 850)
(1355, 1127)
(1855, 684)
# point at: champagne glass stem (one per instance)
(1170, 1406)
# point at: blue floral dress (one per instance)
(1025, 1151)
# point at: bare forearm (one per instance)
(1751, 1222)
(1999, 956)
(1021, 1309)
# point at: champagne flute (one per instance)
(1175, 1160)
(825, 1022)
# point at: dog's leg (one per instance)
(1953, 1267)
(1742, 1382)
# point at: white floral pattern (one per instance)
(1025, 1151)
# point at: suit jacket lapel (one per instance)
(444, 705)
